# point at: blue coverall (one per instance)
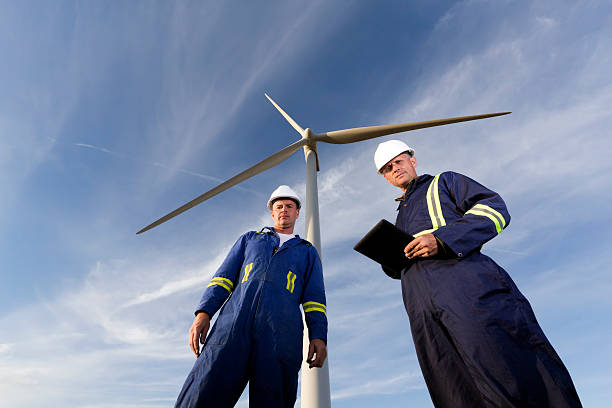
(475, 334)
(258, 334)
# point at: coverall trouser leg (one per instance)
(217, 378)
(273, 382)
(221, 373)
(478, 341)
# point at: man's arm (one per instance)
(225, 279)
(315, 311)
(485, 214)
(216, 293)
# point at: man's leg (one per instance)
(448, 380)
(274, 373)
(500, 341)
(218, 376)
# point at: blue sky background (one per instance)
(111, 115)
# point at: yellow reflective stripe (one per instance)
(438, 206)
(220, 279)
(489, 216)
(247, 270)
(220, 284)
(486, 208)
(291, 281)
(433, 205)
(424, 232)
(307, 304)
(315, 309)
(430, 205)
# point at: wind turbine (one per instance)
(315, 391)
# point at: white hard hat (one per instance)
(388, 150)
(284, 192)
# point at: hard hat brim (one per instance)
(409, 152)
(275, 199)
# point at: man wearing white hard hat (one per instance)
(475, 334)
(257, 337)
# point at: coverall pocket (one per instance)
(289, 345)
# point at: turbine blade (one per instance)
(286, 116)
(370, 132)
(263, 165)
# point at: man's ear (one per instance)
(413, 161)
(297, 213)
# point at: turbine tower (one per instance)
(315, 391)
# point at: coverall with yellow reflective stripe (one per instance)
(476, 337)
(257, 337)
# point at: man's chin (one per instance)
(402, 182)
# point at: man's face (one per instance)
(400, 170)
(284, 213)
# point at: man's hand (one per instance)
(197, 332)
(423, 246)
(317, 347)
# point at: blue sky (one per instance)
(111, 115)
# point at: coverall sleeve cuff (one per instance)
(317, 334)
(202, 311)
(444, 251)
(455, 249)
(320, 337)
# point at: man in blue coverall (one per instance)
(475, 334)
(257, 337)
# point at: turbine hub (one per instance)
(308, 134)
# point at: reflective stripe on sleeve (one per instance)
(314, 307)
(223, 282)
(486, 211)
(418, 234)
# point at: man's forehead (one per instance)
(284, 201)
(396, 157)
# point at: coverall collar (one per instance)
(271, 230)
(417, 180)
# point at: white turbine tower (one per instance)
(315, 382)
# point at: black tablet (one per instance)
(385, 244)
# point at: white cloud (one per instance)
(196, 279)
(547, 22)
(5, 348)
(389, 385)
(85, 340)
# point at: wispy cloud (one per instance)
(163, 166)
(389, 385)
(5, 348)
(88, 334)
(196, 280)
